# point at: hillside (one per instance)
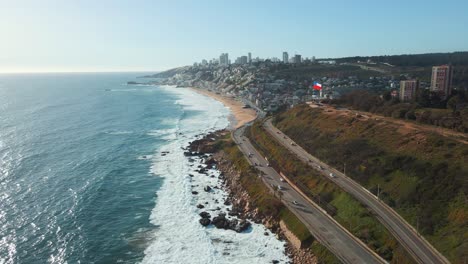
(421, 174)
(419, 65)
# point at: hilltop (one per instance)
(421, 173)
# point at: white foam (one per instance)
(123, 132)
(179, 238)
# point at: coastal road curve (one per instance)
(323, 227)
(421, 250)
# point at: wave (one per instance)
(179, 238)
(123, 132)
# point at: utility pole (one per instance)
(378, 191)
(417, 225)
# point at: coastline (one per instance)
(241, 115)
(242, 204)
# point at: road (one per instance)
(414, 243)
(324, 228)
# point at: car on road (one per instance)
(281, 179)
(292, 144)
(295, 202)
(332, 175)
(280, 187)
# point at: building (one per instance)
(408, 90)
(285, 57)
(250, 58)
(297, 59)
(224, 59)
(441, 81)
(241, 60)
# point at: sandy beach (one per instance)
(241, 115)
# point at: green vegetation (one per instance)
(426, 110)
(269, 204)
(420, 64)
(323, 254)
(308, 71)
(344, 208)
(296, 226)
(421, 174)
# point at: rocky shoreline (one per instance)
(242, 207)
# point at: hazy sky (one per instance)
(115, 35)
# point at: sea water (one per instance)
(92, 171)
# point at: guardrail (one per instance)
(388, 209)
(312, 203)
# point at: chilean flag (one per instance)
(317, 86)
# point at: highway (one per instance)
(418, 247)
(323, 227)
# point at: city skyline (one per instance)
(55, 36)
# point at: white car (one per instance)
(332, 175)
(295, 202)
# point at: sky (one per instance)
(154, 35)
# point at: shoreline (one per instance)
(241, 115)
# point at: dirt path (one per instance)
(403, 125)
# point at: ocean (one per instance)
(92, 171)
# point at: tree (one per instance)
(453, 102)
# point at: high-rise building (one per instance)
(224, 59)
(285, 57)
(250, 58)
(241, 60)
(297, 58)
(244, 59)
(408, 90)
(441, 81)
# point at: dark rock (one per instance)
(233, 212)
(200, 206)
(275, 261)
(194, 192)
(232, 224)
(227, 202)
(266, 233)
(205, 215)
(205, 221)
(207, 188)
(243, 225)
(220, 221)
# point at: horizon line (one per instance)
(104, 71)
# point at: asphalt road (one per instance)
(415, 244)
(325, 229)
